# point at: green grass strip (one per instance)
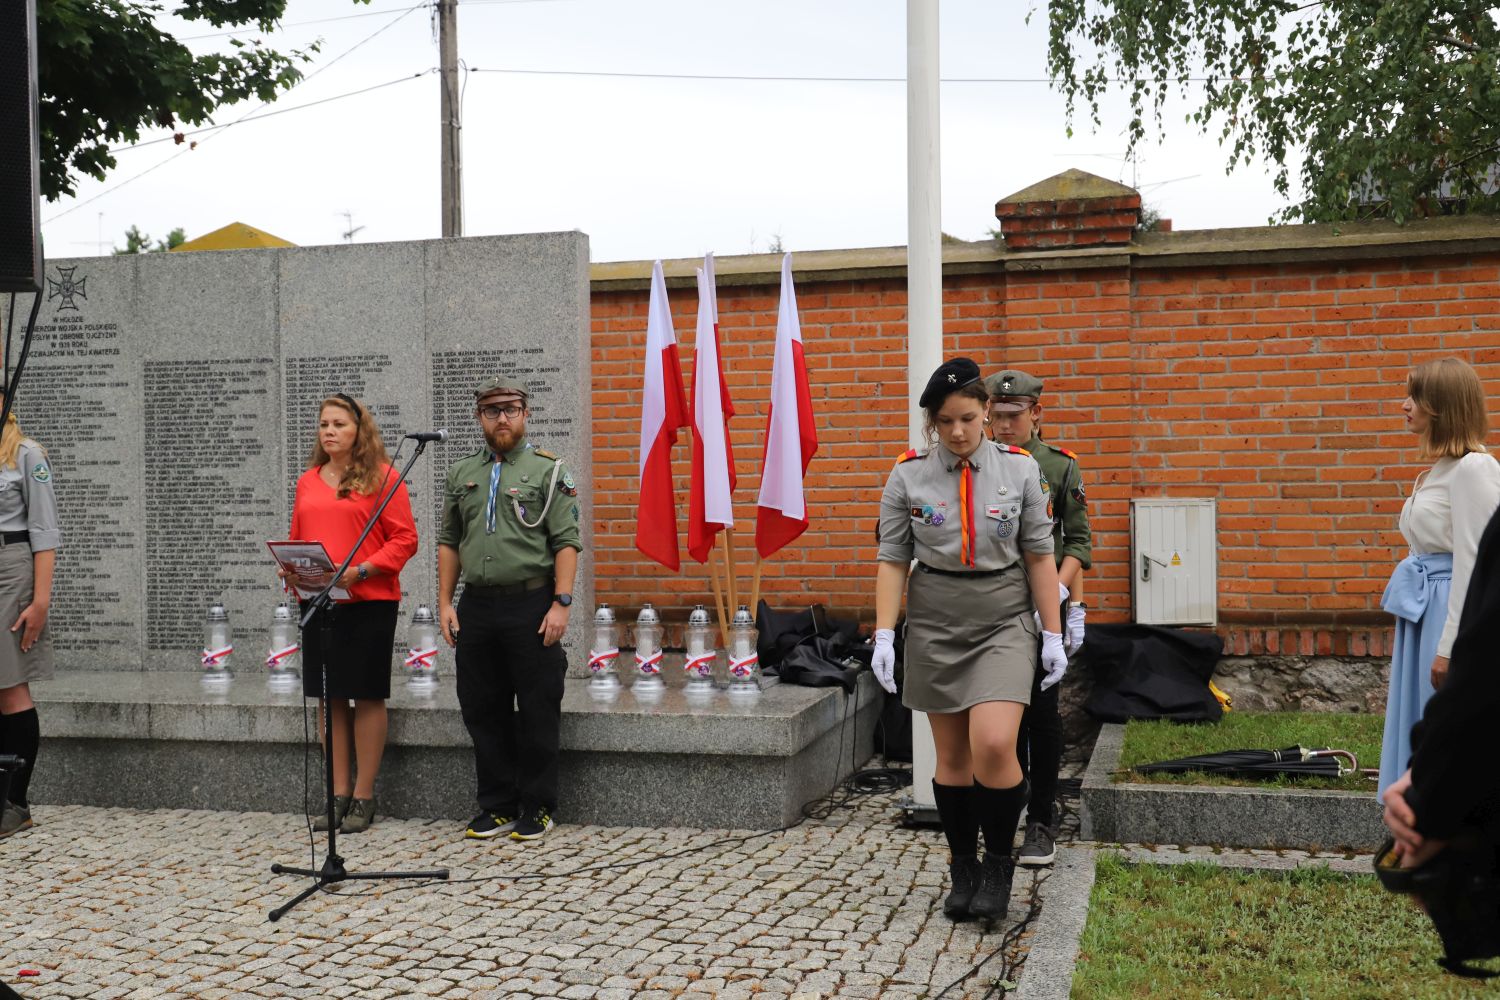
(1194, 931)
(1160, 740)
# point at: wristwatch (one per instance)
(364, 574)
(566, 600)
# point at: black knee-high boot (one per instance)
(20, 735)
(956, 809)
(999, 813)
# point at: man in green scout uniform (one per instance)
(510, 527)
(1015, 417)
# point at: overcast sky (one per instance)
(647, 167)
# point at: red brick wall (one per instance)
(1272, 388)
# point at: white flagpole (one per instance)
(924, 276)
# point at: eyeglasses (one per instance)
(510, 412)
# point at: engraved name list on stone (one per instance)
(71, 403)
(210, 503)
(307, 381)
(454, 375)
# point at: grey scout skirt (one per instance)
(968, 640)
(17, 667)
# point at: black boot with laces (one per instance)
(965, 875)
(992, 901)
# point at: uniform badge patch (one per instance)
(1049, 509)
(1079, 496)
(929, 513)
(42, 474)
(1005, 527)
(568, 487)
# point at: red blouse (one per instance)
(318, 515)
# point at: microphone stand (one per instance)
(333, 870)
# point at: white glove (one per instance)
(1062, 592)
(1075, 627)
(884, 661)
(1054, 660)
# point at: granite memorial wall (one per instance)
(177, 396)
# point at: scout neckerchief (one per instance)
(489, 507)
(966, 510)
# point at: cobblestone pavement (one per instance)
(133, 904)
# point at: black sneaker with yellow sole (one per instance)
(534, 825)
(488, 824)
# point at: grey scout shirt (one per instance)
(921, 513)
(513, 551)
(28, 501)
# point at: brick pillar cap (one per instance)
(1071, 185)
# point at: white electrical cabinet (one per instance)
(1174, 568)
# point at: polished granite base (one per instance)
(165, 740)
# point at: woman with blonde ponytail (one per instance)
(29, 539)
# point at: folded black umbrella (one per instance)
(1297, 761)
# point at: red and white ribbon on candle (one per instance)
(216, 657)
(649, 664)
(703, 665)
(602, 659)
(278, 657)
(743, 668)
(420, 659)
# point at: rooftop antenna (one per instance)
(351, 229)
(100, 243)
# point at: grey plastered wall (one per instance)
(177, 392)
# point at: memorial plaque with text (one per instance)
(177, 395)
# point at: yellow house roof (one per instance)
(235, 236)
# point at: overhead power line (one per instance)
(273, 114)
(810, 79)
(245, 117)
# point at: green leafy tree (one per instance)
(106, 72)
(1387, 107)
(138, 242)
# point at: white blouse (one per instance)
(1448, 510)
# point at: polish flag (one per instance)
(663, 411)
(791, 437)
(710, 505)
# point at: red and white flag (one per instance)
(791, 436)
(663, 411)
(710, 505)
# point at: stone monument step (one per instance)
(155, 739)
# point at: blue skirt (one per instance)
(1427, 581)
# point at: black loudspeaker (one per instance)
(20, 201)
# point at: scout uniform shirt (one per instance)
(27, 499)
(964, 519)
(506, 517)
(1067, 506)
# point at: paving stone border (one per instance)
(1229, 816)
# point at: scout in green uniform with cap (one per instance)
(510, 528)
(1015, 416)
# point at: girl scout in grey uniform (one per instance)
(973, 515)
(29, 538)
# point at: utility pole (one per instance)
(448, 109)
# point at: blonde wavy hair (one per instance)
(10, 440)
(367, 459)
(1449, 392)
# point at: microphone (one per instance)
(438, 435)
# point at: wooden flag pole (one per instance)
(733, 585)
(714, 558)
(755, 585)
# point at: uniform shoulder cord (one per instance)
(551, 492)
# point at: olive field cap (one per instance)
(1013, 391)
(497, 386)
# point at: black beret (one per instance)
(950, 376)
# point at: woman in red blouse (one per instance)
(349, 474)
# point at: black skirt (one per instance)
(359, 663)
